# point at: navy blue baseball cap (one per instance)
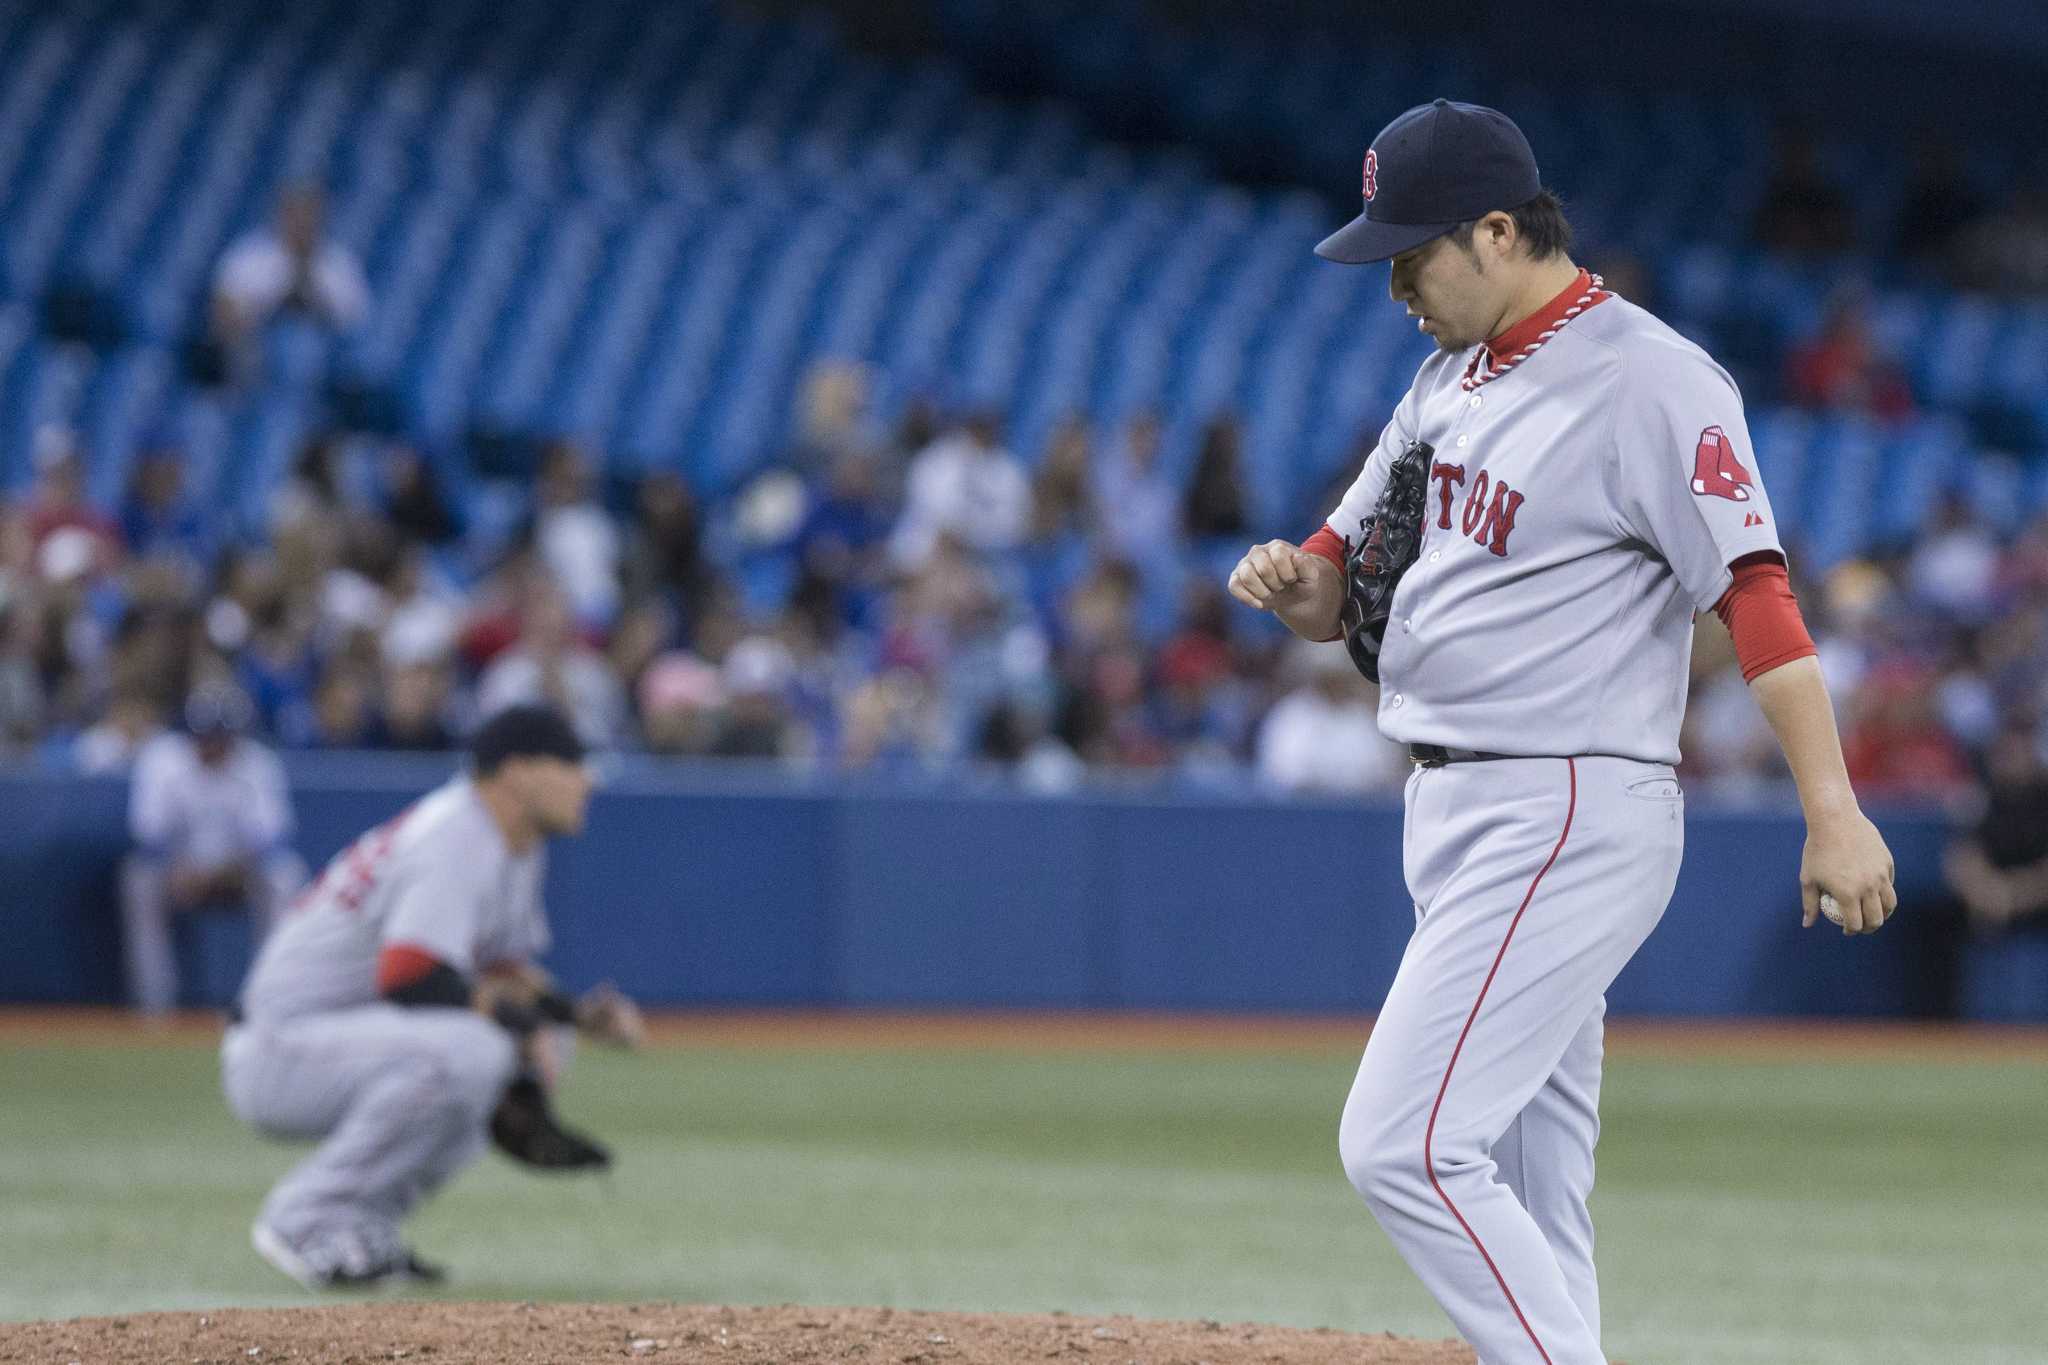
(526, 731)
(1438, 165)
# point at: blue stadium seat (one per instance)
(1995, 486)
(1918, 466)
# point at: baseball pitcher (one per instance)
(1566, 484)
(398, 1016)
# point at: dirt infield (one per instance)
(1133, 1031)
(499, 1333)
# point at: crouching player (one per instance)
(397, 1015)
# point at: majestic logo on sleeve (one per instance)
(1715, 470)
(1372, 173)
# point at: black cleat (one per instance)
(413, 1270)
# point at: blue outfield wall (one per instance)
(698, 887)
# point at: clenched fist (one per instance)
(1304, 590)
(1275, 570)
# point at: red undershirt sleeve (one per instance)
(1762, 616)
(1327, 544)
(401, 964)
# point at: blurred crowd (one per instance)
(903, 594)
(900, 590)
(906, 592)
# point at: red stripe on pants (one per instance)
(1429, 1135)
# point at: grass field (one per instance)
(1854, 1207)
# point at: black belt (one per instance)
(1436, 755)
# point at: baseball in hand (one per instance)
(1831, 907)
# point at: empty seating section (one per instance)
(642, 222)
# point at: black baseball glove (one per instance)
(1387, 544)
(525, 1128)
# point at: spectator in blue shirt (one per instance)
(159, 517)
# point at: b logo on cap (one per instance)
(1372, 173)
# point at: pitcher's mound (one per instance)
(561, 1333)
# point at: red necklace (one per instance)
(1473, 379)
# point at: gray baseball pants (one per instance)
(398, 1098)
(1471, 1125)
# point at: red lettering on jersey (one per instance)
(1715, 470)
(1475, 503)
(1752, 520)
(1500, 519)
(351, 875)
(1372, 173)
(1448, 477)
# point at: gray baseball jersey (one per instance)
(438, 877)
(1582, 507)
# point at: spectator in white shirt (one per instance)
(212, 824)
(425, 614)
(1955, 564)
(577, 538)
(1136, 505)
(967, 484)
(1325, 736)
(293, 265)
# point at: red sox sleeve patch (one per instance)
(1715, 470)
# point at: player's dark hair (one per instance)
(1540, 223)
(1542, 226)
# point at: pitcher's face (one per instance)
(1448, 290)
